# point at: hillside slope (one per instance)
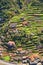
(22, 22)
(10, 8)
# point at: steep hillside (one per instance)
(10, 8)
(22, 22)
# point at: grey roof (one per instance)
(13, 25)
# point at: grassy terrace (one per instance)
(27, 17)
(28, 30)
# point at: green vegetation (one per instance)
(29, 34)
(6, 58)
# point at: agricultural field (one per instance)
(21, 30)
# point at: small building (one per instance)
(25, 23)
(24, 59)
(34, 56)
(2, 38)
(10, 45)
(12, 54)
(24, 52)
(19, 49)
(22, 19)
(15, 30)
(12, 25)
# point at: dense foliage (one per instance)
(28, 16)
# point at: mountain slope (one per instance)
(22, 22)
(10, 8)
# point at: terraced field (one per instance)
(22, 22)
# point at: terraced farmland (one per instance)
(21, 23)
